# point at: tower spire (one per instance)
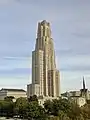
(84, 84)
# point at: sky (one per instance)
(70, 24)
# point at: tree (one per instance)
(48, 105)
(6, 108)
(75, 111)
(21, 107)
(63, 116)
(63, 108)
(86, 111)
(55, 107)
(9, 98)
(65, 105)
(33, 98)
(35, 111)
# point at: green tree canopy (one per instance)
(9, 98)
(21, 106)
(33, 98)
(48, 105)
(6, 108)
(35, 111)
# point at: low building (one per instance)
(79, 100)
(32, 88)
(16, 93)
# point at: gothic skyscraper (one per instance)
(45, 76)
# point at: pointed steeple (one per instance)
(84, 84)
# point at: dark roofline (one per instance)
(7, 89)
(75, 96)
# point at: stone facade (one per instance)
(79, 100)
(45, 76)
(16, 93)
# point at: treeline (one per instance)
(61, 109)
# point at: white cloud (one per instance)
(16, 58)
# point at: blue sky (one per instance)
(70, 23)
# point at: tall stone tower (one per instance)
(45, 76)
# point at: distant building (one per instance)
(45, 75)
(80, 96)
(16, 93)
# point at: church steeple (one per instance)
(84, 90)
(84, 84)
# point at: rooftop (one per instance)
(15, 90)
(45, 22)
